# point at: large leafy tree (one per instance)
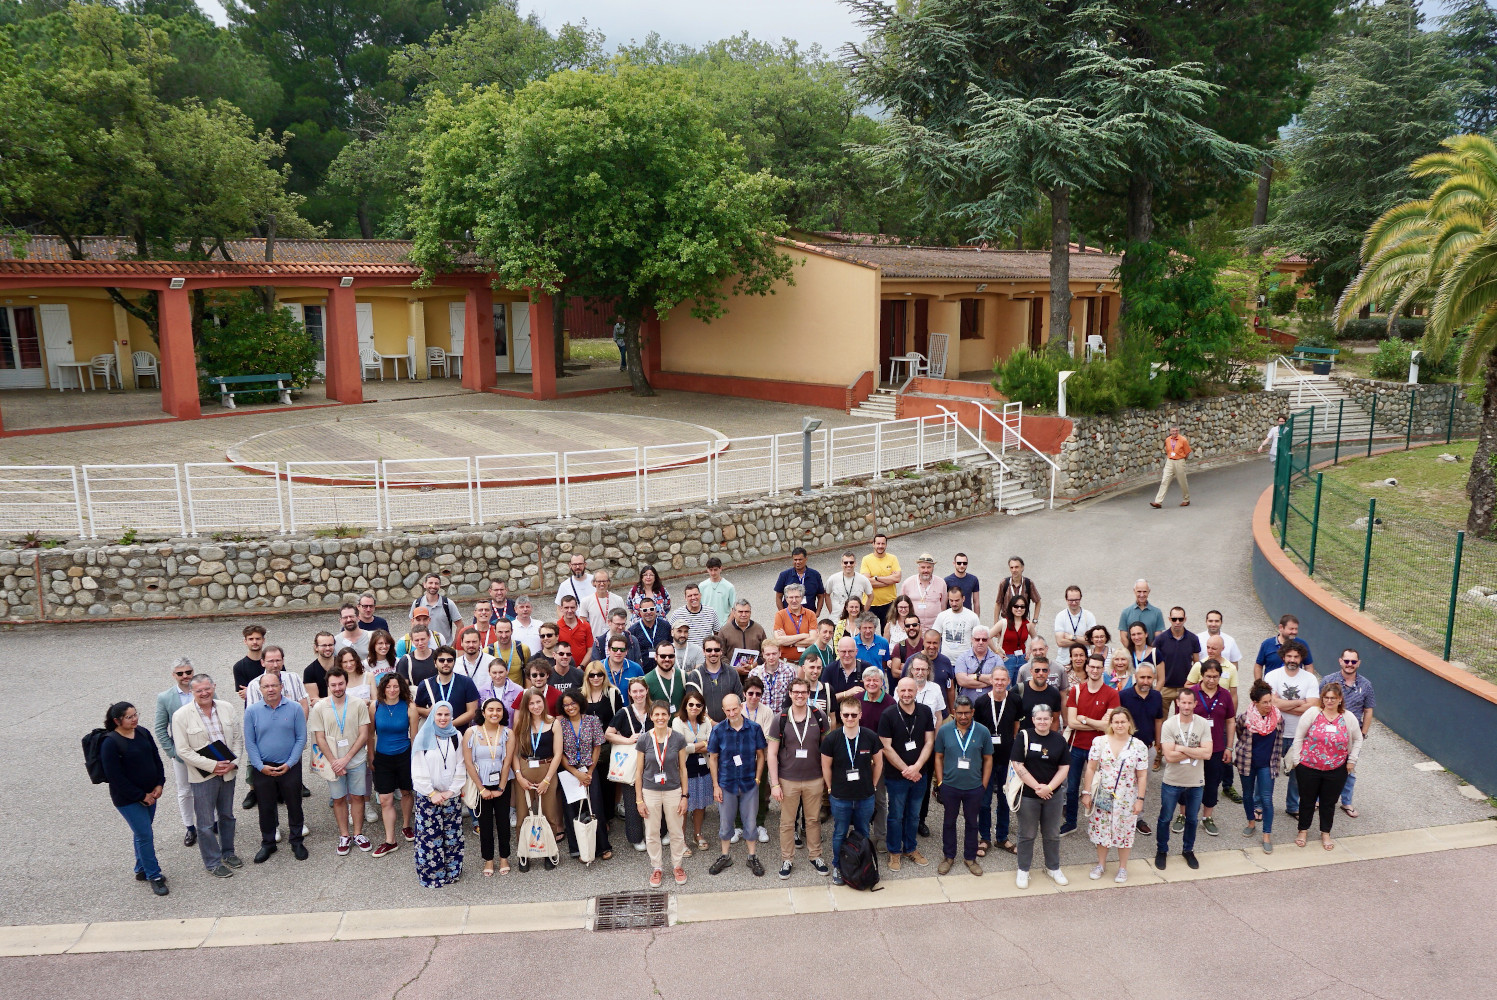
(93, 147)
(1386, 92)
(1471, 27)
(617, 186)
(331, 59)
(1444, 247)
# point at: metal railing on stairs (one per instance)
(1010, 432)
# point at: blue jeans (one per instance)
(904, 812)
(994, 833)
(1257, 793)
(845, 812)
(1172, 796)
(139, 818)
(1351, 782)
(1291, 800)
(1073, 786)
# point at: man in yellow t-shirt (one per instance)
(882, 570)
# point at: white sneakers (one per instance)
(1057, 876)
(1021, 879)
(1096, 872)
(763, 835)
(1122, 876)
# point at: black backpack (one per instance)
(857, 862)
(93, 749)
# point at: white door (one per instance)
(57, 339)
(520, 334)
(364, 318)
(456, 315)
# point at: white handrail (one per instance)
(1006, 429)
(977, 439)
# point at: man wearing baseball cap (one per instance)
(925, 590)
(420, 615)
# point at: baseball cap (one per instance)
(422, 611)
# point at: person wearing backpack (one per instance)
(132, 767)
(795, 775)
(851, 764)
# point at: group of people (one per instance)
(865, 694)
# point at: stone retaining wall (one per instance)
(1431, 406)
(1103, 452)
(185, 576)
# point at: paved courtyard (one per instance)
(69, 859)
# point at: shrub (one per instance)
(1391, 361)
(248, 341)
(1180, 312)
(1282, 299)
(1317, 333)
(1376, 328)
(1097, 388)
(1028, 378)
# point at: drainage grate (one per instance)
(619, 911)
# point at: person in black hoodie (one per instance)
(133, 768)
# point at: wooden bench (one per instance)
(1310, 355)
(251, 383)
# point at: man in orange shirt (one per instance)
(794, 625)
(573, 629)
(1176, 451)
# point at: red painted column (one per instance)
(478, 339)
(179, 369)
(345, 372)
(542, 350)
(649, 335)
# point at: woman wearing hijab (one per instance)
(438, 774)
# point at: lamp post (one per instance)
(808, 426)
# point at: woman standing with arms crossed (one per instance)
(536, 758)
(395, 723)
(437, 773)
(1325, 750)
(133, 768)
(488, 755)
(1042, 761)
(657, 790)
(1124, 765)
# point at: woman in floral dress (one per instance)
(437, 772)
(1123, 763)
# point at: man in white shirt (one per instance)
(599, 604)
(688, 653)
(955, 625)
(577, 584)
(351, 634)
(702, 620)
(717, 593)
(341, 729)
(847, 584)
(925, 591)
(527, 631)
(1073, 621)
(1230, 652)
(1295, 689)
(474, 662)
(274, 658)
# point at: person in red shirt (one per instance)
(572, 629)
(1086, 706)
(1176, 451)
(1015, 626)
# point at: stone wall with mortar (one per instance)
(1103, 452)
(186, 576)
(1432, 406)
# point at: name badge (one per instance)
(997, 740)
(737, 760)
(660, 778)
(702, 759)
(342, 744)
(963, 765)
(854, 775)
(535, 763)
(801, 754)
(909, 744)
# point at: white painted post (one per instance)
(280, 506)
(1414, 360)
(1061, 386)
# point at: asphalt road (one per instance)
(69, 857)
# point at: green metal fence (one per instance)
(1382, 553)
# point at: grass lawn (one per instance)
(1413, 548)
(595, 350)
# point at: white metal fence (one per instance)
(207, 497)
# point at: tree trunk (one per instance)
(559, 331)
(1265, 181)
(1019, 236)
(1481, 487)
(1060, 267)
(634, 356)
(366, 225)
(145, 315)
(199, 312)
(1140, 221)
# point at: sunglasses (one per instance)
(446, 659)
(852, 715)
(548, 635)
(188, 673)
(962, 563)
(1349, 663)
(1173, 619)
(665, 656)
(712, 649)
(593, 676)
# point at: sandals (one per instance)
(1009, 846)
(701, 842)
(1350, 811)
(1300, 840)
(605, 855)
(488, 869)
(982, 848)
(1327, 842)
(504, 868)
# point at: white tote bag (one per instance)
(623, 762)
(535, 838)
(586, 828)
(1013, 785)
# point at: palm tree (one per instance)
(1444, 248)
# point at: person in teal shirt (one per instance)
(964, 763)
(717, 593)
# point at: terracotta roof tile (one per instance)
(971, 263)
(248, 251)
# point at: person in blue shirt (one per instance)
(648, 632)
(275, 733)
(1268, 652)
(620, 668)
(964, 766)
(736, 749)
(816, 595)
(1141, 611)
(873, 649)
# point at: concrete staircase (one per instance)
(1327, 395)
(1016, 498)
(879, 406)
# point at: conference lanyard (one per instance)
(852, 756)
(340, 717)
(1075, 622)
(444, 749)
(805, 727)
(961, 744)
(670, 693)
(445, 692)
(615, 678)
(660, 751)
(576, 743)
(535, 745)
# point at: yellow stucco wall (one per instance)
(822, 329)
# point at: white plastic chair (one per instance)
(373, 359)
(935, 367)
(103, 364)
(436, 358)
(146, 366)
(1096, 347)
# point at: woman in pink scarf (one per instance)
(1258, 756)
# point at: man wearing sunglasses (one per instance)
(715, 680)
(964, 581)
(1358, 701)
(1179, 650)
(847, 584)
(167, 703)
(449, 686)
(852, 762)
